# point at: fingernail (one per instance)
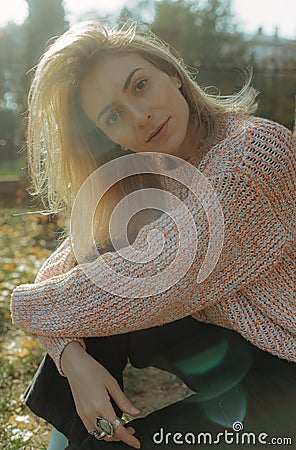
(135, 410)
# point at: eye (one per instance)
(140, 84)
(112, 118)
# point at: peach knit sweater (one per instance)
(251, 165)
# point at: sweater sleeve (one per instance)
(61, 261)
(75, 304)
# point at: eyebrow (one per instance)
(124, 88)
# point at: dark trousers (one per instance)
(235, 383)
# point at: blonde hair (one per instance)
(64, 147)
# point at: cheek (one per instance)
(120, 136)
(162, 94)
(182, 108)
(111, 134)
(178, 102)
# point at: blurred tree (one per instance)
(277, 95)
(20, 49)
(205, 35)
(8, 124)
(142, 12)
(175, 22)
(218, 42)
(10, 69)
(45, 21)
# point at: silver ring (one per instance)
(97, 434)
(116, 422)
(107, 426)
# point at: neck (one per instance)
(193, 141)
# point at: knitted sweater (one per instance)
(250, 163)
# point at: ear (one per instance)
(177, 81)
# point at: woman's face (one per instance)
(137, 105)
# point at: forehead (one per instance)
(112, 71)
(107, 78)
(115, 67)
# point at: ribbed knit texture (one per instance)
(250, 163)
(61, 261)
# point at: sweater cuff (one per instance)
(21, 314)
(55, 347)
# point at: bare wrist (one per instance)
(71, 356)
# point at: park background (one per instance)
(210, 41)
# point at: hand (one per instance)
(92, 386)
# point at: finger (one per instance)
(120, 433)
(127, 436)
(120, 399)
(89, 425)
(116, 439)
(129, 429)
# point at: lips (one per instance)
(159, 132)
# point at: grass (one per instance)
(25, 242)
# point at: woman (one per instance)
(224, 320)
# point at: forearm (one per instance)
(90, 314)
(61, 261)
(75, 304)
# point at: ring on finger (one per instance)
(107, 426)
(98, 434)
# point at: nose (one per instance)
(141, 117)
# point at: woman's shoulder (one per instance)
(253, 128)
(245, 141)
(267, 147)
(268, 131)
